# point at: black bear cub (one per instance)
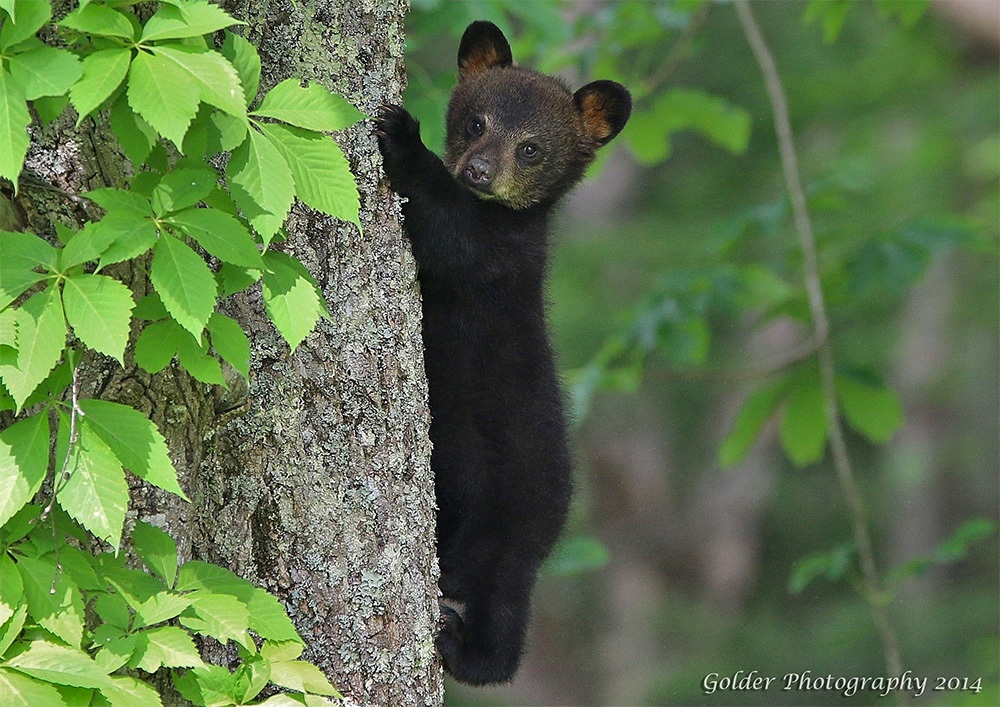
(517, 140)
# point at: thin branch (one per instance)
(874, 594)
(60, 480)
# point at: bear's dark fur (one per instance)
(517, 140)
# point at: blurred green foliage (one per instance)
(664, 309)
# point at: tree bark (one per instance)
(315, 481)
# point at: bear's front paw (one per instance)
(397, 131)
(449, 636)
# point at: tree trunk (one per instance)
(314, 482)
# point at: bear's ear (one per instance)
(483, 47)
(605, 107)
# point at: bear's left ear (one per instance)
(605, 107)
(483, 47)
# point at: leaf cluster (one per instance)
(84, 629)
(77, 628)
(841, 562)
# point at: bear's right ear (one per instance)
(605, 107)
(483, 47)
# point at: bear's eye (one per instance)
(475, 127)
(530, 152)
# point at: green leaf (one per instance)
(312, 107)
(115, 651)
(233, 279)
(260, 182)
(160, 91)
(23, 251)
(872, 410)
(41, 336)
(267, 617)
(53, 600)
(103, 72)
(323, 179)
(11, 589)
(99, 309)
(753, 415)
(31, 16)
(135, 440)
(245, 59)
(59, 664)
(761, 288)
(22, 523)
(24, 461)
(113, 611)
(956, 546)
(578, 555)
(150, 309)
(221, 235)
(118, 236)
(192, 19)
(101, 20)
(213, 132)
(49, 108)
(134, 134)
(158, 344)
(157, 551)
(281, 650)
(184, 283)
(14, 119)
(19, 689)
(909, 11)
(291, 298)
(11, 630)
(111, 199)
(832, 565)
(938, 234)
(160, 607)
(231, 343)
(218, 616)
(206, 685)
(180, 188)
(302, 677)
(164, 646)
(89, 242)
(803, 425)
(131, 238)
(193, 356)
(648, 133)
(44, 71)
(79, 565)
(95, 494)
(217, 81)
(832, 14)
(886, 266)
(20, 253)
(251, 678)
(135, 587)
(126, 691)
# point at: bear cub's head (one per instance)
(517, 136)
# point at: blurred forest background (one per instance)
(710, 534)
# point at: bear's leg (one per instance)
(484, 643)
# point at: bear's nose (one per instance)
(478, 171)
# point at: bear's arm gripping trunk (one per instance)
(439, 212)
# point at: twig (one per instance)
(874, 594)
(60, 480)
